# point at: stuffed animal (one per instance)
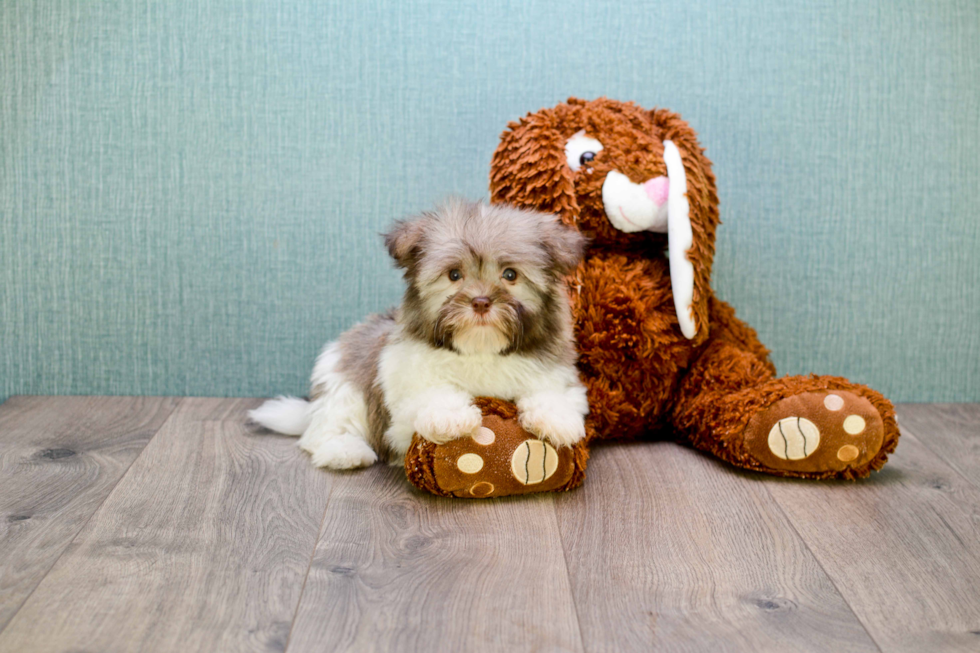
(661, 356)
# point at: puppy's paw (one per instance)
(556, 417)
(341, 451)
(559, 430)
(440, 423)
(562, 429)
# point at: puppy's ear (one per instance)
(565, 246)
(403, 241)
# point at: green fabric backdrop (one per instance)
(191, 192)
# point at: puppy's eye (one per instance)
(581, 150)
(510, 274)
(455, 275)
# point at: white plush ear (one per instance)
(680, 238)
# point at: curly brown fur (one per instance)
(643, 376)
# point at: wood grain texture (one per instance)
(951, 431)
(398, 570)
(211, 537)
(903, 548)
(59, 459)
(203, 546)
(670, 550)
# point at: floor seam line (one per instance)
(820, 564)
(911, 434)
(568, 575)
(309, 567)
(89, 518)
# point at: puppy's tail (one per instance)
(287, 415)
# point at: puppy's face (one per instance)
(486, 280)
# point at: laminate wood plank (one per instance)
(951, 431)
(202, 546)
(903, 548)
(59, 459)
(399, 570)
(670, 550)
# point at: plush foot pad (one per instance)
(500, 459)
(827, 431)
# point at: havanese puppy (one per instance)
(485, 313)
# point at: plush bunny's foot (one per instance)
(499, 459)
(833, 432)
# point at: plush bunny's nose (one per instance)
(633, 207)
(657, 189)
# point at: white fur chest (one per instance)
(409, 367)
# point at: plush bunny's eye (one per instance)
(581, 150)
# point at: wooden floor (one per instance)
(149, 524)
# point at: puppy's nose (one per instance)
(481, 305)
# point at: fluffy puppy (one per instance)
(485, 314)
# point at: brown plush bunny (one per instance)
(661, 356)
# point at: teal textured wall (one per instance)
(190, 192)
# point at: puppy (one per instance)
(485, 313)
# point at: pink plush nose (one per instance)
(657, 189)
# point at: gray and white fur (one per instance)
(485, 314)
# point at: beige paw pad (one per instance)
(469, 463)
(816, 432)
(794, 438)
(533, 462)
(484, 436)
(833, 402)
(482, 489)
(854, 424)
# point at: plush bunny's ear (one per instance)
(692, 218)
(528, 168)
(679, 241)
